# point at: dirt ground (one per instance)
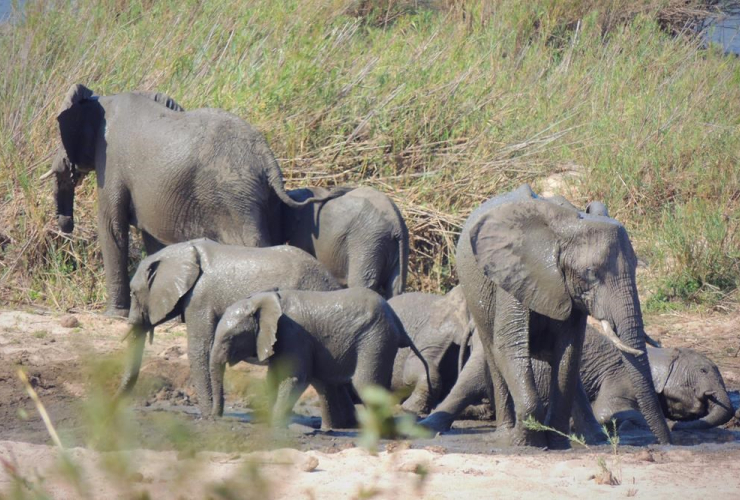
(171, 453)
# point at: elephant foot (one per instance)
(415, 405)
(116, 312)
(439, 421)
(519, 436)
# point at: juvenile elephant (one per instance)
(689, 385)
(360, 237)
(326, 339)
(439, 326)
(198, 280)
(532, 271)
(174, 175)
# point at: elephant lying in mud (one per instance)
(532, 271)
(326, 339)
(360, 237)
(689, 386)
(175, 175)
(198, 280)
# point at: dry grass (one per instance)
(440, 104)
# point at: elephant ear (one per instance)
(71, 117)
(269, 311)
(169, 279)
(662, 362)
(516, 246)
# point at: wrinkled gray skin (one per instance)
(199, 280)
(532, 271)
(438, 325)
(174, 175)
(360, 237)
(326, 339)
(689, 386)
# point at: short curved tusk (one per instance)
(47, 175)
(609, 333)
(652, 341)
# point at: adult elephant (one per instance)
(174, 175)
(532, 271)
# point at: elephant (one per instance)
(689, 386)
(532, 271)
(443, 330)
(439, 326)
(360, 237)
(326, 339)
(197, 281)
(175, 175)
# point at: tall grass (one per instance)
(439, 104)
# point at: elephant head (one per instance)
(248, 329)
(690, 387)
(80, 119)
(555, 260)
(157, 288)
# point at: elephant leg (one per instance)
(566, 355)
(201, 327)
(337, 408)
(584, 421)
(421, 400)
(470, 388)
(151, 244)
(512, 358)
(289, 389)
(113, 236)
(363, 269)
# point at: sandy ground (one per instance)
(170, 453)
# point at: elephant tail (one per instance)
(397, 280)
(275, 179)
(136, 340)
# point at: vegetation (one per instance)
(440, 104)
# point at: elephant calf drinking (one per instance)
(326, 339)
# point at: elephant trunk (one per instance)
(64, 191)
(136, 341)
(720, 411)
(276, 182)
(631, 331)
(217, 367)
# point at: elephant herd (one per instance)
(310, 282)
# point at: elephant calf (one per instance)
(360, 237)
(326, 339)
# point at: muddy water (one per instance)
(724, 29)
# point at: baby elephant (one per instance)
(326, 339)
(360, 237)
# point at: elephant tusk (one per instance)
(652, 341)
(47, 175)
(609, 333)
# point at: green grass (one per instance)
(439, 107)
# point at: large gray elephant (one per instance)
(360, 237)
(532, 271)
(326, 339)
(174, 175)
(198, 280)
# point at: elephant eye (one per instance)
(703, 370)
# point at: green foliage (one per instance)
(441, 104)
(378, 421)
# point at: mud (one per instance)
(74, 368)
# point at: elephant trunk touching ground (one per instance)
(627, 318)
(136, 339)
